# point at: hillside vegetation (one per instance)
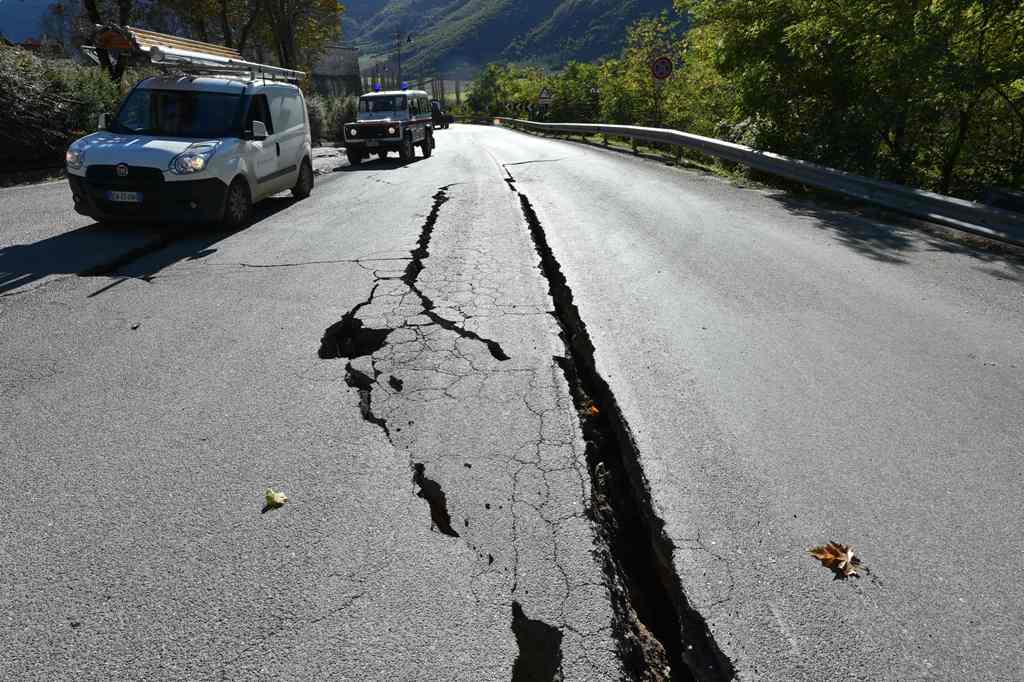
(448, 35)
(927, 93)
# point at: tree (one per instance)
(300, 28)
(905, 89)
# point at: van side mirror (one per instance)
(104, 120)
(259, 130)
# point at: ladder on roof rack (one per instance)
(190, 56)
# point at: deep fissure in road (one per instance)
(350, 338)
(415, 267)
(540, 648)
(431, 491)
(655, 626)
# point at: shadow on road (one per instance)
(377, 165)
(876, 233)
(98, 250)
(872, 238)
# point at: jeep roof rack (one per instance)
(191, 56)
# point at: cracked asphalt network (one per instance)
(516, 489)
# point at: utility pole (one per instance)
(401, 37)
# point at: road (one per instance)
(540, 409)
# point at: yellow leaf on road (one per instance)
(275, 498)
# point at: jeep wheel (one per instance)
(406, 152)
(354, 157)
(238, 205)
(427, 146)
(304, 183)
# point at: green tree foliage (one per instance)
(920, 91)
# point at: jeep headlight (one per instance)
(74, 158)
(193, 160)
(391, 130)
(353, 132)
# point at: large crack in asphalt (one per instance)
(540, 648)
(350, 338)
(660, 636)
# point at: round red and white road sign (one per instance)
(661, 68)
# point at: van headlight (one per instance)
(193, 160)
(74, 158)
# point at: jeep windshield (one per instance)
(177, 113)
(381, 103)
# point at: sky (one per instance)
(19, 19)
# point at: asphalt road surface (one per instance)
(485, 380)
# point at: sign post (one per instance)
(544, 99)
(661, 70)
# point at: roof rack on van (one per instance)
(190, 56)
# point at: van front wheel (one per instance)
(304, 183)
(238, 206)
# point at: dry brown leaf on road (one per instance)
(838, 557)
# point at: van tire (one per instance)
(406, 151)
(427, 145)
(304, 183)
(354, 158)
(237, 205)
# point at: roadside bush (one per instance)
(328, 116)
(317, 108)
(46, 103)
(343, 111)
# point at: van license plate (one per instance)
(128, 197)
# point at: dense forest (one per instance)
(923, 92)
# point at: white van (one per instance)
(194, 148)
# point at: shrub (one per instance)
(317, 107)
(45, 104)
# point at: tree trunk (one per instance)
(225, 25)
(115, 69)
(949, 164)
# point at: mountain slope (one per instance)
(449, 35)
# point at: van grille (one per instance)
(138, 178)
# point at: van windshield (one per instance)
(177, 113)
(381, 103)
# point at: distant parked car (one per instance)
(441, 117)
(395, 121)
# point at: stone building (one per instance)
(337, 72)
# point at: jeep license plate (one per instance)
(125, 197)
(372, 143)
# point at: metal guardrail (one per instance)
(963, 215)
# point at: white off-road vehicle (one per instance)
(200, 144)
(392, 121)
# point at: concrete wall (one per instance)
(337, 72)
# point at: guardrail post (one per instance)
(678, 154)
(632, 142)
(604, 139)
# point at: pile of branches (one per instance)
(37, 112)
